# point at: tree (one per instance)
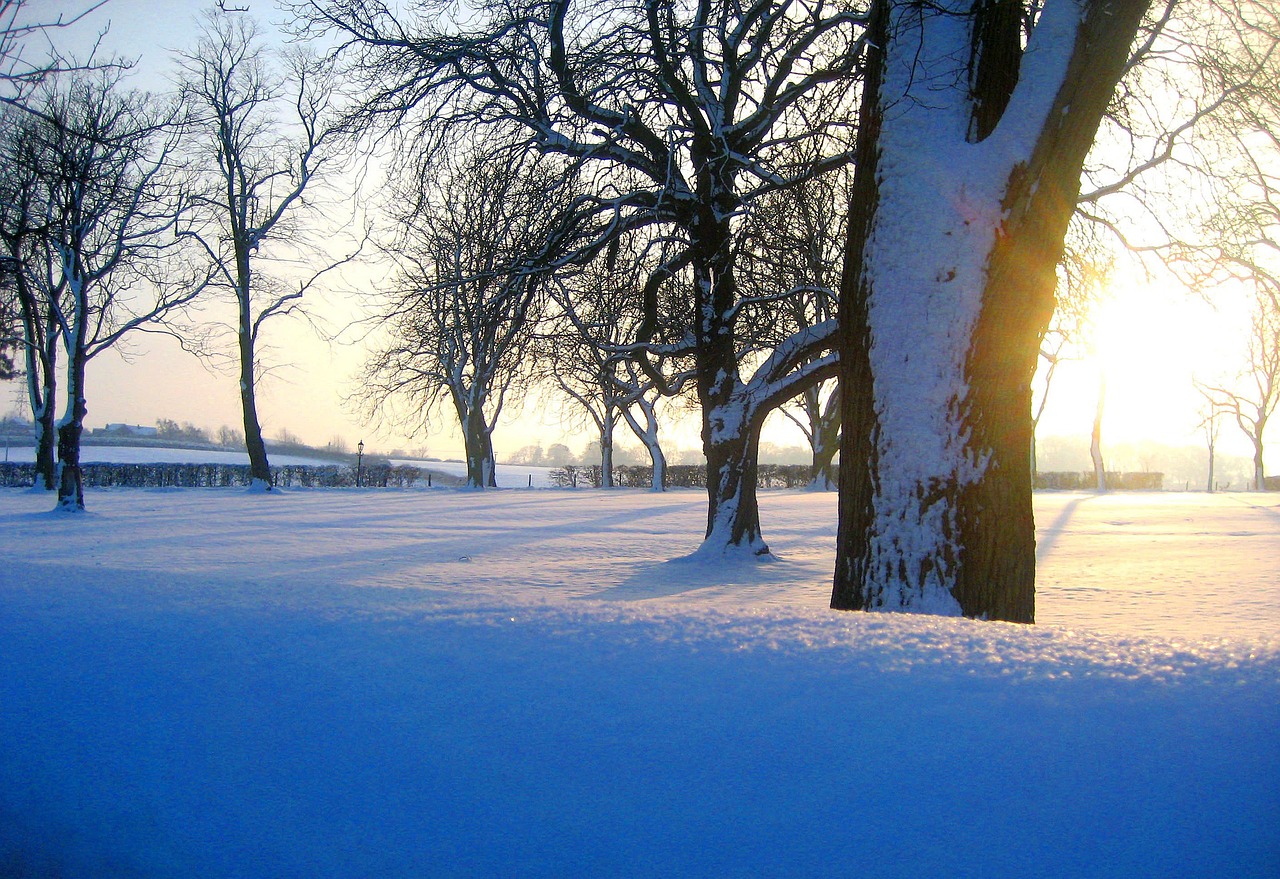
(463, 296)
(793, 240)
(1253, 398)
(101, 159)
(1210, 422)
(590, 357)
(970, 149)
(30, 279)
(260, 136)
(1082, 275)
(680, 116)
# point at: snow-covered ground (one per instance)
(212, 683)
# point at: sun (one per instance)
(1146, 347)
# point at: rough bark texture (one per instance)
(858, 461)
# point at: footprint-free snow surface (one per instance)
(211, 683)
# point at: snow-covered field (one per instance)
(212, 683)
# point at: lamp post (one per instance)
(359, 461)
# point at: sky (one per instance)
(1153, 339)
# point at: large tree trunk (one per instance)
(733, 514)
(730, 438)
(961, 201)
(477, 442)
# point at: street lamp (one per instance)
(359, 461)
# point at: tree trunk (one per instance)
(1095, 440)
(606, 447)
(955, 233)
(648, 434)
(40, 357)
(70, 430)
(259, 467)
(42, 391)
(733, 514)
(730, 439)
(477, 442)
(1209, 483)
(824, 443)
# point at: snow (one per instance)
(212, 683)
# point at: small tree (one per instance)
(464, 296)
(259, 137)
(1253, 398)
(1210, 422)
(102, 160)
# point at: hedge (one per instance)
(212, 475)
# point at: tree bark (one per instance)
(70, 431)
(255, 446)
(941, 337)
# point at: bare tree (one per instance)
(102, 159)
(681, 116)
(1210, 423)
(30, 279)
(464, 296)
(1253, 397)
(260, 136)
(971, 145)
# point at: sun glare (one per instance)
(1147, 348)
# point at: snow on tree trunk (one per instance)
(825, 442)
(733, 515)
(70, 430)
(969, 160)
(477, 441)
